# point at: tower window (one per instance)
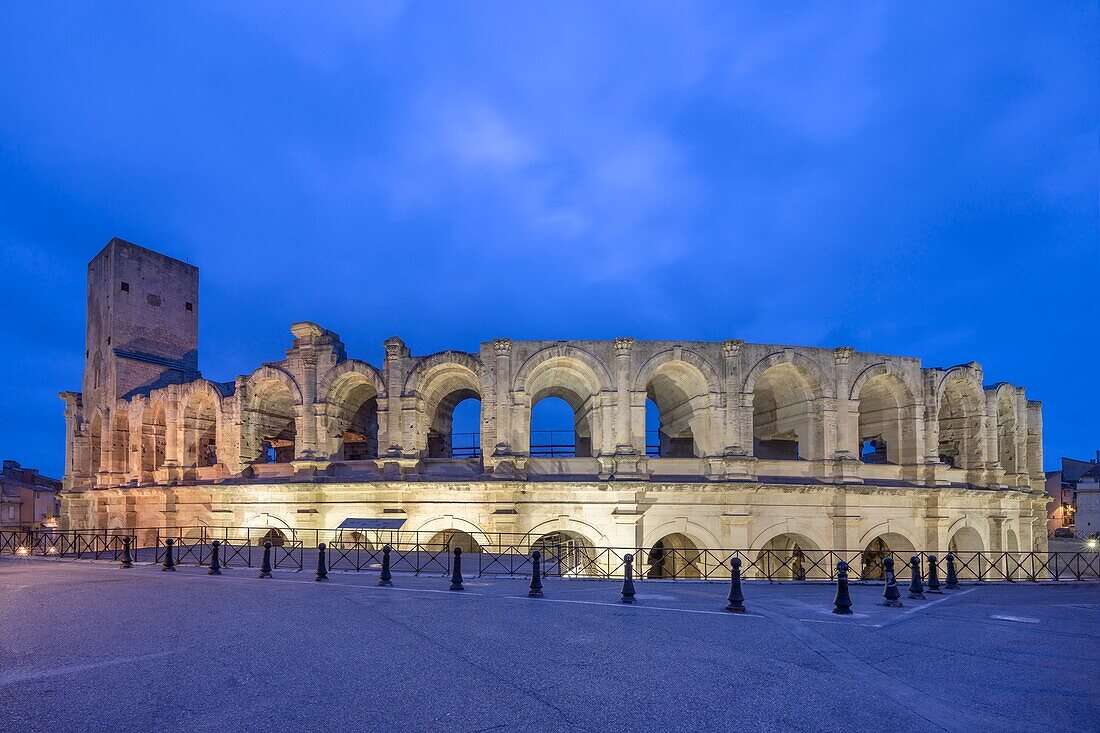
(125, 287)
(188, 306)
(153, 300)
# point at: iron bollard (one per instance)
(736, 598)
(916, 587)
(169, 563)
(628, 579)
(127, 560)
(322, 565)
(536, 575)
(933, 576)
(265, 566)
(842, 604)
(385, 578)
(891, 596)
(215, 558)
(952, 579)
(456, 571)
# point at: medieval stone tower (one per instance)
(142, 329)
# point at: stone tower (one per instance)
(142, 328)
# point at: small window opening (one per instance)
(125, 287)
(188, 306)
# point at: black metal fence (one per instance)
(504, 554)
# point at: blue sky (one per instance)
(903, 179)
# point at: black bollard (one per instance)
(842, 604)
(736, 598)
(933, 576)
(385, 578)
(916, 587)
(322, 564)
(127, 560)
(628, 579)
(456, 571)
(891, 596)
(952, 579)
(265, 566)
(169, 562)
(215, 558)
(536, 575)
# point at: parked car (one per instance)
(1064, 533)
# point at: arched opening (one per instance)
(455, 430)
(353, 409)
(563, 393)
(556, 432)
(790, 557)
(95, 445)
(120, 442)
(785, 420)
(570, 552)
(200, 431)
(886, 414)
(449, 539)
(959, 424)
(676, 397)
(153, 438)
(966, 546)
(274, 536)
(1006, 435)
(353, 540)
(674, 556)
(271, 423)
(886, 545)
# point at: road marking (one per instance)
(904, 615)
(12, 678)
(635, 605)
(1017, 619)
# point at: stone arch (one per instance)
(789, 556)
(439, 383)
(967, 547)
(809, 534)
(201, 425)
(269, 417)
(154, 432)
(878, 547)
(683, 385)
(95, 444)
(258, 526)
(786, 395)
(432, 527)
(568, 525)
(697, 533)
(887, 415)
(120, 439)
(674, 555)
(1007, 423)
(351, 391)
(960, 418)
(576, 377)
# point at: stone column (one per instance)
(624, 443)
(72, 421)
(736, 443)
(306, 426)
(847, 423)
(393, 370)
(502, 378)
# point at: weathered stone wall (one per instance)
(738, 420)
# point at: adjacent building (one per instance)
(1066, 488)
(28, 500)
(787, 448)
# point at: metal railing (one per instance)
(509, 554)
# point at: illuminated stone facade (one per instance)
(759, 444)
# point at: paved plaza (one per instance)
(87, 647)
